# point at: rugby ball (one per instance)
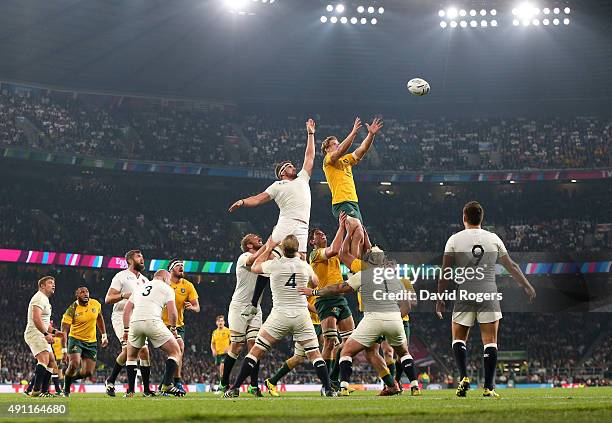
(418, 86)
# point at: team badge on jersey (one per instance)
(182, 290)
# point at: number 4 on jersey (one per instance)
(291, 281)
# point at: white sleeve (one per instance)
(272, 190)
(311, 272)
(268, 266)
(304, 175)
(354, 281)
(501, 248)
(169, 295)
(242, 260)
(450, 245)
(117, 283)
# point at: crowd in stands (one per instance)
(168, 134)
(106, 216)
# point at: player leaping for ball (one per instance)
(292, 195)
(338, 169)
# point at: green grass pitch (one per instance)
(524, 405)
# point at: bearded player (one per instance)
(124, 283)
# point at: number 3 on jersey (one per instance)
(291, 281)
(148, 289)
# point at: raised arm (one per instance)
(517, 275)
(253, 201)
(367, 142)
(256, 268)
(253, 257)
(346, 144)
(309, 154)
(334, 248)
(447, 261)
(345, 253)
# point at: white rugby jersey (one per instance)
(477, 248)
(149, 300)
(245, 280)
(286, 275)
(124, 282)
(292, 197)
(40, 300)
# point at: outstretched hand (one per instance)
(356, 125)
(236, 206)
(375, 126)
(310, 126)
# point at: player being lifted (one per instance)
(338, 169)
(242, 329)
(142, 320)
(477, 248)
(382, 317)
(289, 313)
(292, 195)
(79, 323)
(123, 284)
(186, 298)
(39, 335)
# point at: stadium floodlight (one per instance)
(463, 24)
(453, 24)
(441, 13)
(483, 12)
(323, 19)
(343, 20)
(515, 22)
(385, 183)
(333, 19)
(545, 22)
(535, 22)
(462, 12)
(353, 20)
(573, 181)
(452, 13)
(513, 182)
(473, 24)
(546, 11)
(567, 10)
(441, 183)
(360, 9)
(555, 21)
(526, 22)
(536, 11)
(381, 10)
(484, 23)
(340, 8)
(494, 23)
(371, 9)
(556, 10)
(473, 12)
(525, 11)
(374, 21)
(443, 24)
(236, 4)
(363, 21)
(329, 8)
(493, 12)
(566, 21)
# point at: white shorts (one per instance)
(154, 330)
(372, 327)
(296, 322)
(117, 322)
(467, 318)
(239, 324)
(37, 343)
(286, 227)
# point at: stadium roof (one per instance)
(195, 48)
